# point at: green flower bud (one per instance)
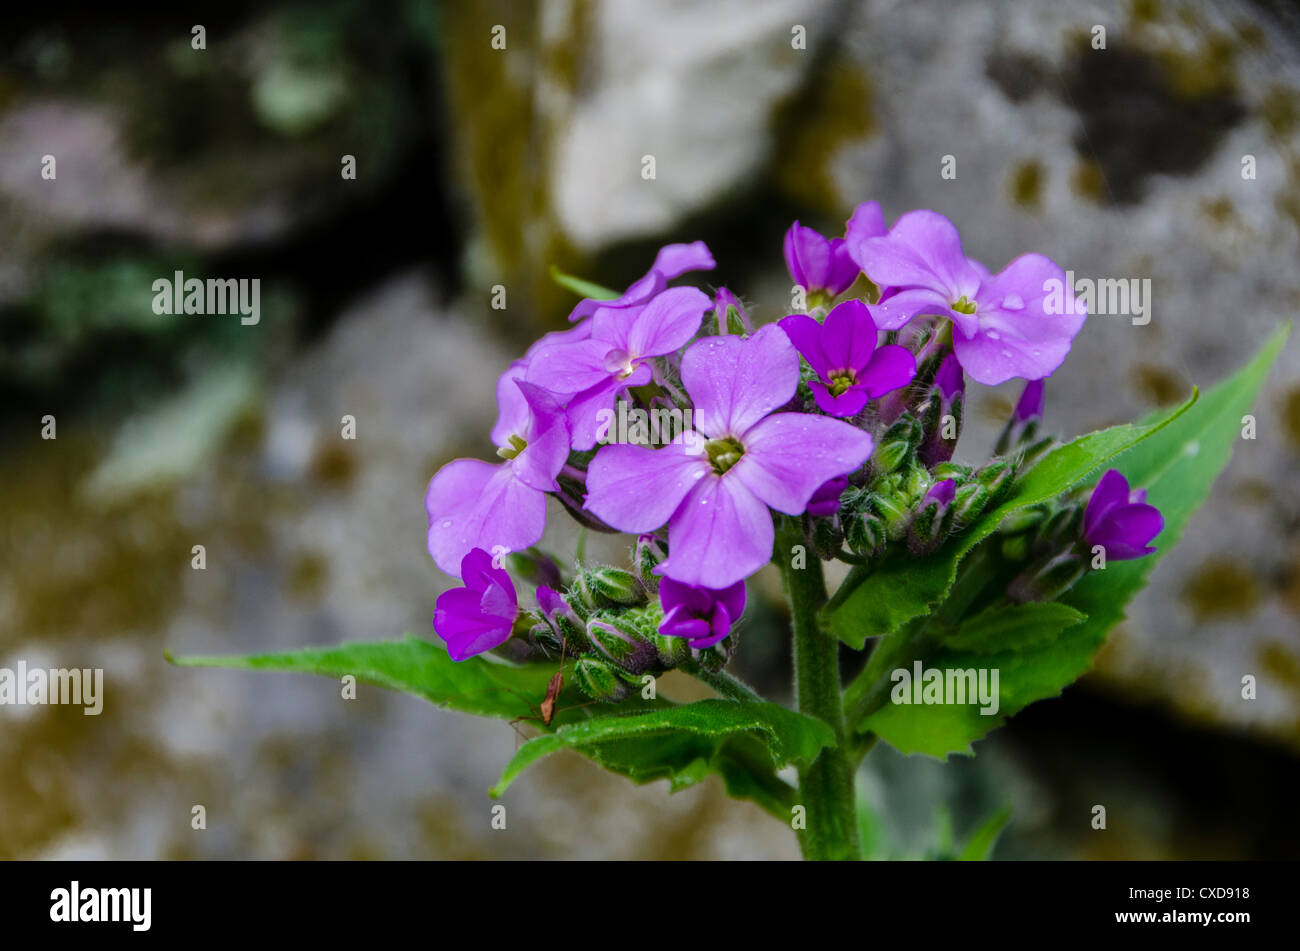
(605, 586)
(1022, 520)
(898, 443)
(914, 482)
(952, 470)
(623, 645)
(649, 552)
(1016, 547)
(865, 534)
(893, 512)
(600, 680)
(930, 526)
(714, 658)
(826, 538)
(671, 651)
(1048, 580)
(971, 500)
(997, 476)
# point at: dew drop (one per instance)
(447, 524)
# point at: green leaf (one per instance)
(1177, 465)
(487, 688)
(679, 743)
(878, 600)
(580, 287)
(980, 845)
(1178, 468)
(1013, 627)
(415, 666)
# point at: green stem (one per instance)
(826, 786)
(733, 688)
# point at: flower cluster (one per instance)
(841, 420)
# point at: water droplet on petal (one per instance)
(447, 524)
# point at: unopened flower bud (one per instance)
(606, 586)
(932, 521)
(714, 658)
(600, 680)
(997, 476)
(649, 552)
(969, 503)
(622, 644)
(1047, 581)
(865, 534)
(898, 443)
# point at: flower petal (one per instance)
(806, 335)
(473, 504)
(719, 535)
(890, 368)
(848, 336)
(923, 249)
(674, 260)
(1017, 336)
(849, 403)
(789, 456)
(570, 368)
(900, 307)
(547, 435)
(735, 383)
(636, 489)
(1111, 491)
(668, 322)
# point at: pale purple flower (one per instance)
(851, 369)
(1002, 325)
(701, 615)
(481, 615)
(826, 500)
(818, 263)
(672, 261)
(474, 504)
(714, 489)
(1121, 522)
(590, 373)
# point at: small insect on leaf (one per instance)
(547, 706)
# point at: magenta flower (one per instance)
(701, 615)
(673, 260)
(1002, 327)
(826, 500)
(474, 504)
(851, 369)
(714, 489)
(481, 615)
(818, 263)
(1030, 404)
(1119, 521)
(589, 373)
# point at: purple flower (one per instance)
(1121, 522)
(1030, 404)
(826, 500)
(1003, 324)
(474, 504)
(481, 615)
(818, 263)
(589, 373)
(942, 492)
(714, 491)
(850, 367)
(701, 615)
(673, 260)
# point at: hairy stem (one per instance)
(826, 786)
(731, 687)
